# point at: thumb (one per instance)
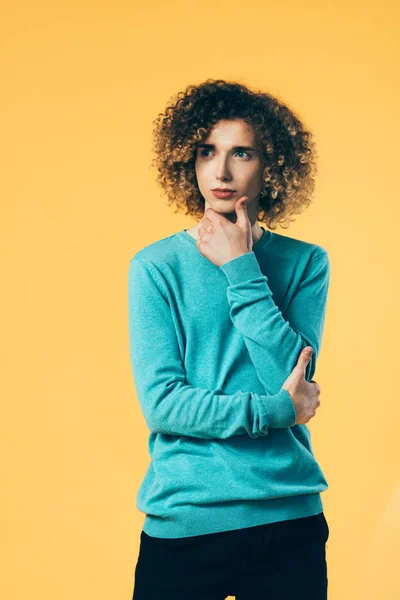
(242, 219)
(241, 212)
(304, 358)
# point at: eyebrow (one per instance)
(234, 148)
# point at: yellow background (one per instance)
(81, 85)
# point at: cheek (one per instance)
(252, 181)
(201, 174)
(256, 179)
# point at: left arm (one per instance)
(274, 342)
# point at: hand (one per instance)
(305, 395)
(220, 240)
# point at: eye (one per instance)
(238, 152)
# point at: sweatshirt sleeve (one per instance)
(168, 403)
(274, 342)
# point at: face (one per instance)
(228, 159)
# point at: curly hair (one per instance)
(286, 148)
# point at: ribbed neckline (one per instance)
(261, 242)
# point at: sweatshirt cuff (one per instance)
(280, 409)
(242, 268)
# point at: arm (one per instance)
(168, 404)
(274, 342)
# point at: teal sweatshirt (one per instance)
(210, 348)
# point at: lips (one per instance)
(223, 194)
(222, 190)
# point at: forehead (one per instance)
(230, 131)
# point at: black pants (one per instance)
(277, 561)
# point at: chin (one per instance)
(223, 204)
(225, 210)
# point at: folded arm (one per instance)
(275, 341)
(168, 403)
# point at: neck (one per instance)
(256, 231)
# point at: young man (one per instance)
(220, 317)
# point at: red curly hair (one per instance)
(286, 148)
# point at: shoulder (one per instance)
(292, 247)
(158, 254)
(158, 261)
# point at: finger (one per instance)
(304, 358)
(316, 383)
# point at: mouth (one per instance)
(223, 193)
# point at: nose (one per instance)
(223, 172)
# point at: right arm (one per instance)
(168, 403)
